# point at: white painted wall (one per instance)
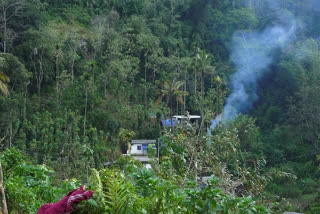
(136, 151)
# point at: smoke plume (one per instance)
(252, 54)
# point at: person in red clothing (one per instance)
(65, 205)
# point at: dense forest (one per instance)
(79, 79)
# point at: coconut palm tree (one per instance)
(204, 67)
(171, 89)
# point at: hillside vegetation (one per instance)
(80, 79)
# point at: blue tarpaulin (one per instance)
(167, 122)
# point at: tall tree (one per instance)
(204, 66)
(305, 110)
(171, 89)
(3, 195)
(86, 78)
(9, 10)
(4, 90)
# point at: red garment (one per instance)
(65, 205)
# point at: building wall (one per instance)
(135, 150)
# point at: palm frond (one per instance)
(4, 78)
(4, 89)
(178, 85)
(179, 99)
(159, 100)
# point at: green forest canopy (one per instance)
(79, 79)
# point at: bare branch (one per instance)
(2, 139)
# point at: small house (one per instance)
(139, 147)
(138, 150)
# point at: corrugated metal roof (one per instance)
(185, 117)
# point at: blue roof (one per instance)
(167, 122)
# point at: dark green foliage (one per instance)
(29, 186)
(58, 142)
(146, 193)
(84, 81)
(315, 206)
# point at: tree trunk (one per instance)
(72, 69)
(202, 102)
(57, 77)
(3, 195)
(10, 132)
(25, 101)
(181, 109)
(171, 122)
(145, 83)
(39, 79)
(105, 87)
(185, 89)
(10, 10)
(177, 112)
(105, 83)
(316, 143)
(4, 17)
(196, 170)
(195, 82)
(85, 113)
(57, 69)
(128, 105)
(39, 96)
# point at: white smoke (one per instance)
(252, 54)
